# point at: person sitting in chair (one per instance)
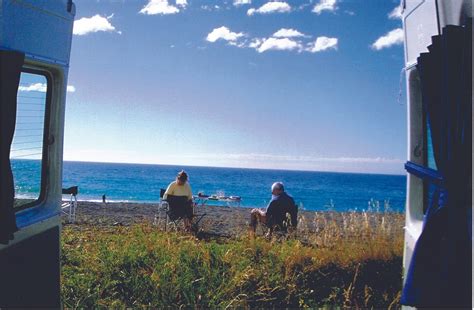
(275, 217)
(180, 198)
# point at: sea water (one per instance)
(142, 183)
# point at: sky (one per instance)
(299, 85)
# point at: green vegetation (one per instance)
(352, 261)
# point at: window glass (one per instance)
(26, 153)
(430, 163)
(429, 149)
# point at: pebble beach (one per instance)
(219, 221)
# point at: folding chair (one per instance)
(69, 207)
(172, 211)
(280, 231)
(161, 212)
(284, 229)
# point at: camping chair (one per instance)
(162, 210)
(172, 211)
(285, 228)
(280, 231)
(69, 207)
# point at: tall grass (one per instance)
(336, 259)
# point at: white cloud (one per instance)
(92, 24)
(393, 37)
(42, 88)
(325, 5)
(396, 13)
(211, 8)
(238, 44)
(322, 44)
(288, 33)
(285, 39)
(223, 33)
(255, 43)
(163, 7)
(242, 2)
(303, 162)
(182, 3)
(250, 160)
(271, 7)
(39, 87)
(283, 44)
(71, 89)
(272, 157)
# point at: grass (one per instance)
(348, 260)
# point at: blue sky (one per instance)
(306, 85)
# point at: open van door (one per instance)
(438, 230)
(35, 44)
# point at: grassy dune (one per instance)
(339, 259)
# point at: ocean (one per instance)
(142, 183)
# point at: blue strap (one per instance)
(440, 195)
(424, 173)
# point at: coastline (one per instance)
(228, 222)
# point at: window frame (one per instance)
(46, 130)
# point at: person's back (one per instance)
(179, 197)
(275, 217)
(177, 189)
(278, 209)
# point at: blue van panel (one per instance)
(41, 29)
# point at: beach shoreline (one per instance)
(219, 221)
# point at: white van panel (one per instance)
(454, 11)
(420, 24)
(416, 144)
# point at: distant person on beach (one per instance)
(180, 192)
(104, 199)
(275, 217)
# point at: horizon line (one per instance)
(226, 167)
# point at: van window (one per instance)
(27, 149)
(430, 163)
(430, 160)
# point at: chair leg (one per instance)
(159, 222)
(160, 215)
(70, 210)
(74, 210)
(157, 217)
